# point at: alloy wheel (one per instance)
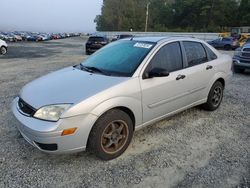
(114, 136)
(217, 96)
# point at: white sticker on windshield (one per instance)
(142, 45)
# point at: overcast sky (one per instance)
(49, 15)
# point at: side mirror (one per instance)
(155, 72)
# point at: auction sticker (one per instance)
(142, 45)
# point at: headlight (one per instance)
(237, 52)
(52, 112)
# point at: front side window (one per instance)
(169, 57)
(120, 58)
(195, 53)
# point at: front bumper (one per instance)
(241, 62)
(46, 136)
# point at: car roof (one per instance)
(162, 38)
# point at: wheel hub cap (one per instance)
(114, 136)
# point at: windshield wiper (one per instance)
(93, 69)
(85, 68)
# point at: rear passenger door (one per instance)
(200, 66)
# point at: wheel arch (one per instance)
(221, 80)
(129, 105)
(127, 111)
(221, 77)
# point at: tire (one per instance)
(238, 70)
(215, 97)
(227, 47)
(111, 135)
(3, 50)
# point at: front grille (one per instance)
(25, 108)
(246, 54)
(245, 62)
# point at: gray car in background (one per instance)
(241, 58)
(125, 86)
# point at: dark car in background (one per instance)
(122, 36)
(94, 43)
(228, 43)
(241, 59)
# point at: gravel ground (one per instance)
(195, 148)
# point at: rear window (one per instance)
(195, 53)
(96, 39)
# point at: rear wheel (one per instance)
(3, 50)
(214, 97)
(111, 135)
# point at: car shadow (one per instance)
(245, 73)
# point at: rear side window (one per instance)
(195, 53)
(210, 53)
(169, 57)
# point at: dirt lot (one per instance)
(192, 149)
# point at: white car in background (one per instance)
(3, 47)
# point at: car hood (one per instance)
(68, 85)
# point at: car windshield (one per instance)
(120, 58)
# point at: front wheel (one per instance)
(214, 97)
(3, 50)
(111, 135)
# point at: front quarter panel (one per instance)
(126, 94)
(131, 103)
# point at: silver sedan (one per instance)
(127, 85)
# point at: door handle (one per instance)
(181, 76)
(209, 67)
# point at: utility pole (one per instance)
(210, 13)
(146, 24)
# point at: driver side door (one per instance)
(162, 95)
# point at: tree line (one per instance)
(173, 15)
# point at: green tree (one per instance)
(173, 15)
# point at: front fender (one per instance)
(131, 103)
